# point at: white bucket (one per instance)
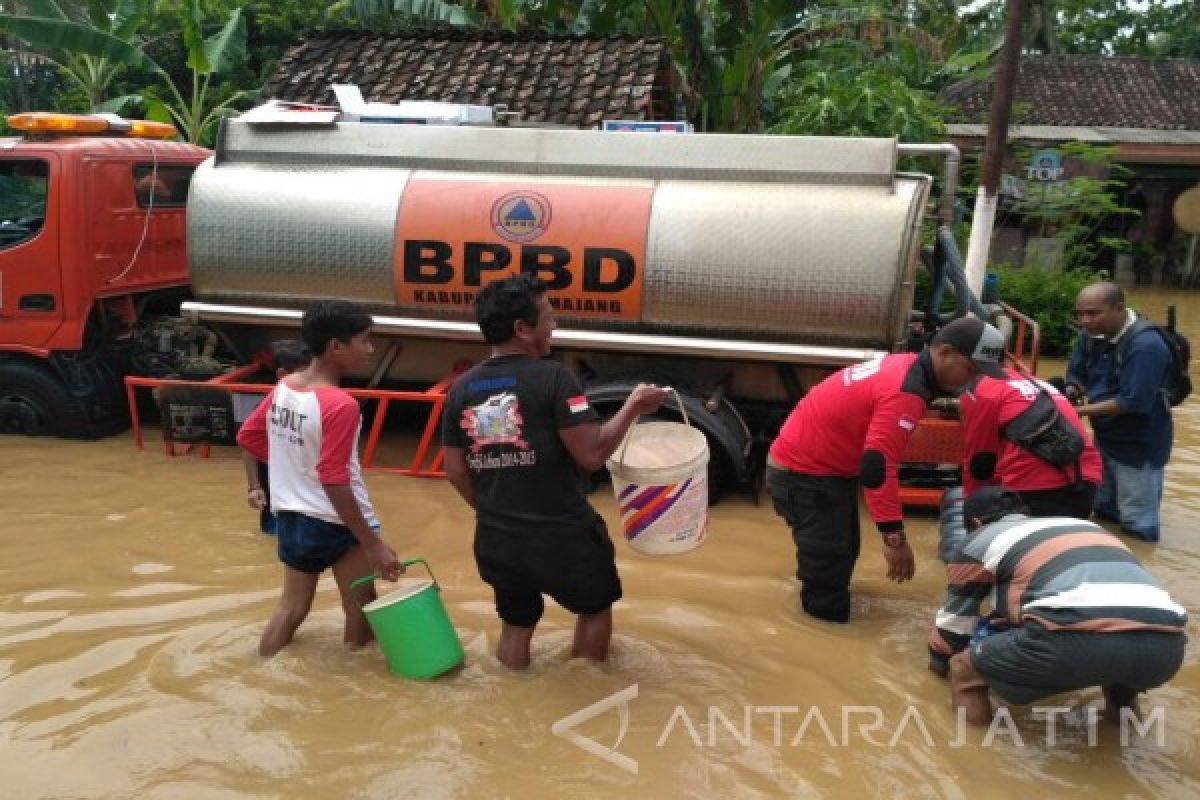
(660, 478)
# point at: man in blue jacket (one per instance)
(1123, 369)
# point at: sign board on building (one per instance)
(644, 126)
(1045, 165)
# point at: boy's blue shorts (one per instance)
(309, 544)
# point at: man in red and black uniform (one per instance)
(852, 428)
(990, 457)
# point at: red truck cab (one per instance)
(92, 239)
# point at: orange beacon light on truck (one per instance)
(42, 122)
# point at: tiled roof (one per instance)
(1098, 91)
(568, 80)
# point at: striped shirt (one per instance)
(1064, 573)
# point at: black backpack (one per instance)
(1179, 384)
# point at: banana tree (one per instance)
(47, 21)
(725, 55)
(197, 114)
(927, 47)
(194, 113)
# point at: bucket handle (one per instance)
(629, 433)
(365, 579)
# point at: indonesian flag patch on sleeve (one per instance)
(578, 404)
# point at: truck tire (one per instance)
(33, 402)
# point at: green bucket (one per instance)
(413, 629)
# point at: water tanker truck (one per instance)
(738, 269)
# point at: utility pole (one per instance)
(1003, 86)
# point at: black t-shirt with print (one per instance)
(506, 413)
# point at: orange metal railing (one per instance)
(434, 397)
(1026, 340)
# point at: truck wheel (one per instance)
(34, 403)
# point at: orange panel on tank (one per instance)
(587, 243)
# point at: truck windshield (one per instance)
(162, 186)
(23, 187)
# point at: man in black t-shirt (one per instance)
(520, 439)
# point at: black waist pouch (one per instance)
(1041, 430)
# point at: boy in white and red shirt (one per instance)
(307, 431)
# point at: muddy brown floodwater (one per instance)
(133, 588)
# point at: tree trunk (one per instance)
(19, 71)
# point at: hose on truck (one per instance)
(957, 276)
(945, 265)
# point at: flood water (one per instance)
(133, 588)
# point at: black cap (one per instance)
(976, 340)
(989, 503)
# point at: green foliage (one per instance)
(1182, 38)
(29, 82)
(1126, 27)
(724, 55)
(196, 115)
(21, 197)
(196, 112)
(870, 68)
(1048, 296)
(275, 26)
(93, 38)
(863, 102)
(923, 287)
(369, 11)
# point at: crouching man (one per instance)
(1071, 608)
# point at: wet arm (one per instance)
(341, 497)
(255, 492)
(1105, 408)
(252, 437)
(250, 466)
(892, 423)
(340, 423)
(590, 444)
(458, 474)
(381, 557)
(969, 583)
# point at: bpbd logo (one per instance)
(521, 216)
